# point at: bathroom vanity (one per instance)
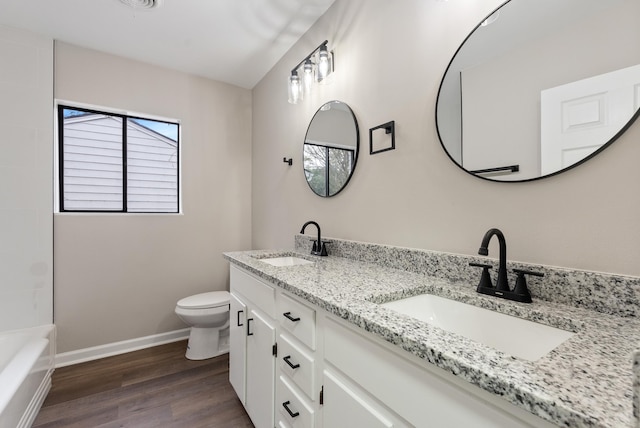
(314, 345)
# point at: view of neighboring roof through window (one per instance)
(117, 163)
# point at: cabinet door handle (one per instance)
(239, 325)
(286, 360)
(288, 316)
(286, 407)
(249, 332)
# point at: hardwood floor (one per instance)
(155, 387)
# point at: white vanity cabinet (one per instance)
(330, 374)
(252, 345)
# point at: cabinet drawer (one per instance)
(297, 365)
(253, 289)
(292, 409)
(298, 319)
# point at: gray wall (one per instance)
(390, 57)
(26, 225)
(117, 276)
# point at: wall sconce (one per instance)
(315, 68)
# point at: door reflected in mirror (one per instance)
(541, 88)
(331, 148)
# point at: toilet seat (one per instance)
(211, 299)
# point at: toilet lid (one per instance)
(211, 299)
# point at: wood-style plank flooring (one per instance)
(154, 387)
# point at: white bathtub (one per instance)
(26, 365)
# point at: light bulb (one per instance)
(307, 76)
(324, 64)
(295, 89)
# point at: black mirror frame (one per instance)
(580, 162)
(357, 150)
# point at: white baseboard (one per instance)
(29, 416)
(116, 348)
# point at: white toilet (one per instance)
(208, 316)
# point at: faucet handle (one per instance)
(521, 282)
(323, 250)
(319, 249)
(485, 278)
(528, 272)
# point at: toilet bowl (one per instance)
(208, 316)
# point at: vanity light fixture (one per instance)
(316, 67)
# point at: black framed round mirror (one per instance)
(331, 148)
(541, 86)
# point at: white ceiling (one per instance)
(233, 41)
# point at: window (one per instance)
(116, 163)
(327, 169)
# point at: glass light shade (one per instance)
(308, 76)
(295, 88)
(324, 64)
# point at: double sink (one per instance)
(514, 336)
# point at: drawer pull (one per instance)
(286, 407)
(239, 324)
(288, 316)
(249, 332)
(286, 360)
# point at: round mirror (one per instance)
(541, 86)
(331, 148)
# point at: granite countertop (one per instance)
(585, 382)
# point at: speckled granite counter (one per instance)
(588, 381)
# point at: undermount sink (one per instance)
(514, 336)
(286, 261)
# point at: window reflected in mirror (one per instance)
(330, 149)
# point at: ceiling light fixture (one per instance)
(316, 67)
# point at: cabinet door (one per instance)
(344, 406)
(238, 346)
(261, 336)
